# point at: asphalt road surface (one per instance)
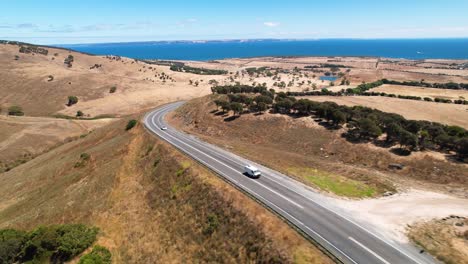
(309, 211)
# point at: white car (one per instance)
(163, 128)
(252, 171)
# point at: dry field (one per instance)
(26, 82)
(22, 138)
(450, 114)
(422, 91)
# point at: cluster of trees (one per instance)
(363, 123)
(239, 102)
(33, 49)
(56, 243)
(238, 88)
(422, 83)
(200, 71)
(253, 70)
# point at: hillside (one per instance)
(151, 203)
(41, 84)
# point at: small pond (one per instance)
(328, 78)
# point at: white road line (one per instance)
(227, 166)
(368, 250)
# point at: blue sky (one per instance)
(85, 21)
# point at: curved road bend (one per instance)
(308, 210)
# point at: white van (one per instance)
(252, 171)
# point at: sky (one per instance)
(86, 21)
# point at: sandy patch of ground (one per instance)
(394, 213)
(421, 91)
(451, 114)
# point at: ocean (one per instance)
(213, 50)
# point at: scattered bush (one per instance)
(131, 124)
(15, 110)
(33, 49)
(72, 100)
(69, 61)
(99, 255)
(84, 158)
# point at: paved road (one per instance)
(306, 209)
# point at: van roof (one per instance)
(250, 167)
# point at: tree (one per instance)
(462, 149)
(113, 89)
(11, 242)
(393, 131)
(338, 117)
(225, 106)
(131, 124)
(261, 107)
(263, 99)
(79, 113)
(408, 139)
(367, 128)
(237, 108)
(15, 110)
(72, 100)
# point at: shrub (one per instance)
(11, 243)
(56, 243)
(15, 110)
(131, 124)
(211, 224)
(84, 158)
(72, 100)
(99, 255)
(69, 60)
(79, 113)
(113, 89)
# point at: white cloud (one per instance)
(271, 24)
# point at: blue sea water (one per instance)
(212, 50)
